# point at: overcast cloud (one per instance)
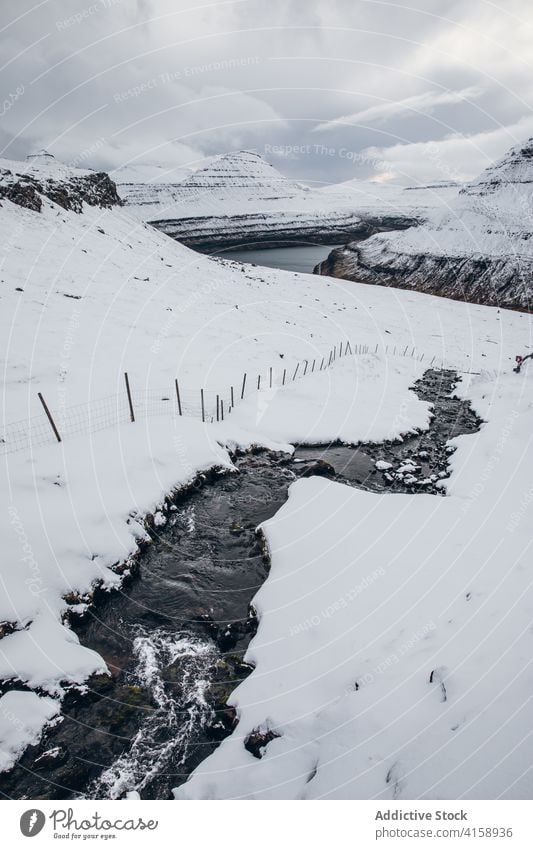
(328, 91)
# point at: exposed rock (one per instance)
(313, 468)
(68, 187)
(258, 740)
(22, 193)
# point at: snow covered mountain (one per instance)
(477, 248)
(239, 199)
(89, 292)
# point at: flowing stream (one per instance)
(175, 636)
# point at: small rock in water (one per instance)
(257, 741)
(50, 755)
(408, 467)
(315, 467)
(382, 465)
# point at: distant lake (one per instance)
(302, 258)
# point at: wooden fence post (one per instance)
(232, 401)
(222, 409)
(270, 377)
(218, 403)
(178, 397)
(243, 385)
(296, 371)
(203, 404)
(284, 373)
(132, 414)
(340, 350)
(312, 370)
(259, 381)
(306, 364)
(50, 419)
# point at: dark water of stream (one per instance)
(174, 636)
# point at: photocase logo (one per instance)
(32, 822)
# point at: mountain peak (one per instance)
(242, 169)
(513, 169)
(41, 157)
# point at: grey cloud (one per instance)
(157, 80)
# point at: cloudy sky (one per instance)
(328, 90)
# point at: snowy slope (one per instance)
(420, 201)
(88, 295)
(477, 249)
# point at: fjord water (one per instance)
(301, 258)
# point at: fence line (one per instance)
(133, 405)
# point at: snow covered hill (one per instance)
(41, 175)
(477, 249)
(239, 199)
(89, 292)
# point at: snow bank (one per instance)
(393, 656)
(72, 514)
(22, 718)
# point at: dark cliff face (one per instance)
(495, 281)
(260, 230)
(277, 230)
(70, 192)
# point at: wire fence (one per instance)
(132, 405)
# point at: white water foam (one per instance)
(181, 707)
